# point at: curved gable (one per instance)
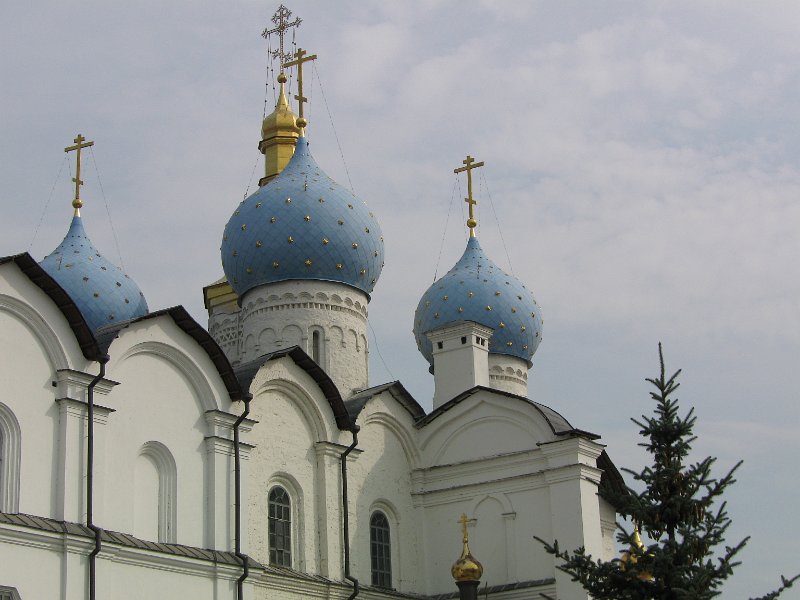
(356, 403)
(188, 325)
(484, 422)
(557, 423)
(33, 271)
(247, 372)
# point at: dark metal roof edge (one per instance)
(122, 539)
(356, 403)
(193, 329)
(217, 556)
(503, 587)
(541, 408)
(83, 334)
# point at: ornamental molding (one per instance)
(38, 325)
(222, 422)
(73, 384)
(225, 447)
(80, 409)
(573, 472)
(334, 450)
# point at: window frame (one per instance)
(166, 468)
(288, 523)
(380, 550)
(10, 451)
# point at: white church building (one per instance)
(143, 455)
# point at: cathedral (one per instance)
(143, 454)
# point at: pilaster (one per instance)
(220, 481)
(69, 503)
(573, 478)
(328, 502)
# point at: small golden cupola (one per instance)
(467, 567)
(629, 557)
(279, 133)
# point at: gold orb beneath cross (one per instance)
(471, 223)
(467, 568)
(301, 122)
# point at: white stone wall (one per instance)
(163, 425)
(380, 480)
(38, 354)
(508, 374)
(285, 314)
(157, 436)
(297, 446)
(225, 328)
(608, 522)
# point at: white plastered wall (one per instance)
(483, 458)
(379, 478)
(168, 385)
(37, 344)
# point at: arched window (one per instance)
(9, 460)
(280, 527)
(316, 347)
(380, 550)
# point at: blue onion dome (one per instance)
(302, 225)
(476, 289)
(101, 290)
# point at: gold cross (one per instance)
(464, 521)
(79, 143)
(298, 62)
(282, 25)
(470, 164)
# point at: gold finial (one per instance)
(470, 164)
(79, 143)
(279, 133)
(282, 25)
(467, 567)
(298, 62)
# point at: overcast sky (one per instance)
(642, 170)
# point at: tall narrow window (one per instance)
(316, 347)
(280, 527)
(380, 550)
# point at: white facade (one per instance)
(164, 462)
(167, 410)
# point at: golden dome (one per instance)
(467, 567)
(628, 557)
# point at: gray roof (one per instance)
(356, 403)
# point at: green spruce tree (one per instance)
(680, 509)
